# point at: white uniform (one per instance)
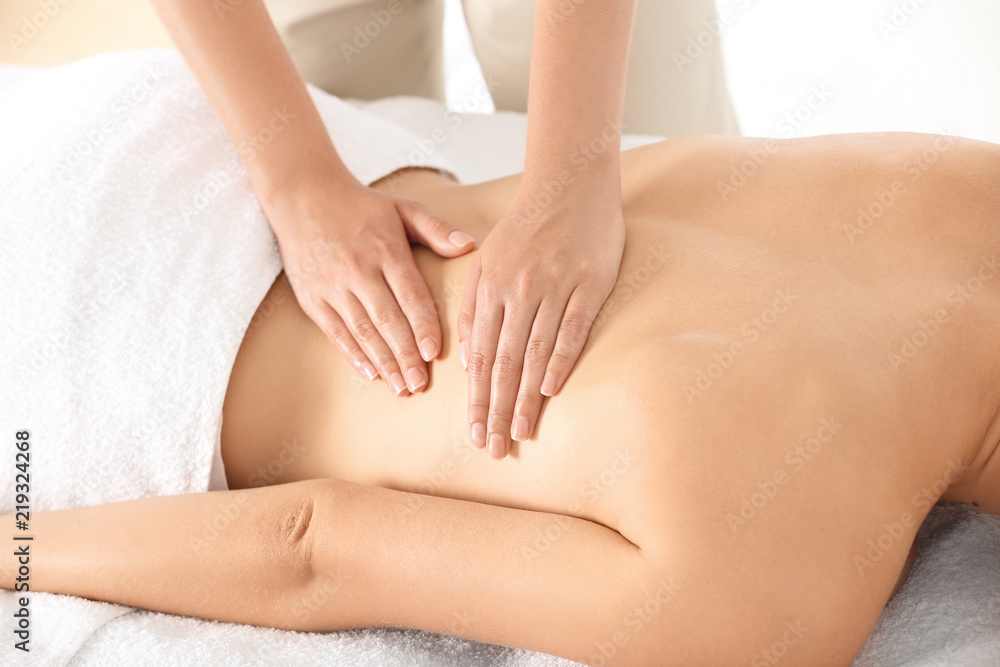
(379, 48)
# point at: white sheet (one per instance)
(948, 612)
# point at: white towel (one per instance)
(947, 614)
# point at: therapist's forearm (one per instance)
(251, 81)
(577, 92)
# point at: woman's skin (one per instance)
(538, 281)
(774, 396)
(307, 192)
(544, 271)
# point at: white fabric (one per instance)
(126, 397)
(947, 614)
(481, 146)
(11, 74)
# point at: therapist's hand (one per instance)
(534, 290)
(346, 250)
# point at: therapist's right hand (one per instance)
(346, 251)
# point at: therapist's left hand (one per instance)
(533, 292)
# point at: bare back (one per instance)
(798, 360)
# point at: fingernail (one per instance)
(369, 370)
(415, 379)
(463, 355)
(496, 446)
(520, 431)
(460, 239)
(397, 384)
(478, 434)
(427, 348)
(549, 384)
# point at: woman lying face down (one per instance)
(792, 369)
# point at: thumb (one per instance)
(425, 228)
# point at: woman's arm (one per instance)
(546, 269)
(344, 246)
(220, 555)
(326, 554)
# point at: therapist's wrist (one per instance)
(294, 192)
(567, 201)
(591, 148)
(580, 168)
(579, 182)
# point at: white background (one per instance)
(938, 72)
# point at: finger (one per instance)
(482, 352)
(383, 309)
(467, 314)
(370, 339)
(574, 328)
(517, 324)
(412, 295)
(537, 353)
(337, 331)
(425, 228)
